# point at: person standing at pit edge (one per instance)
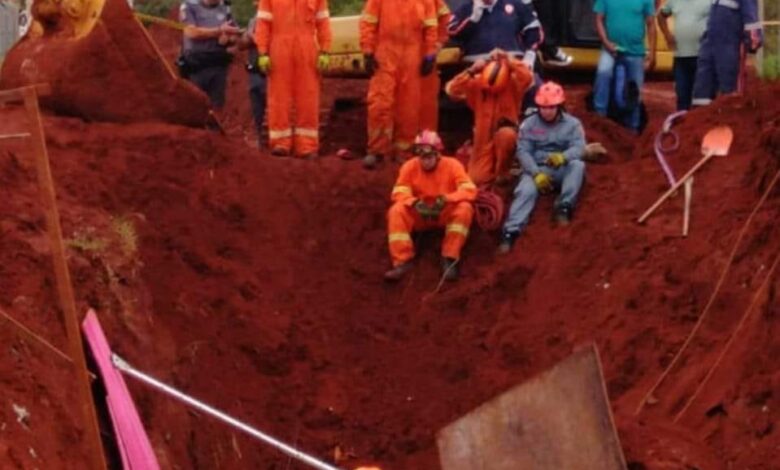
(293, 40)
(431, 192)
(731, 24)
(394, 34)
(493, 90)
(431, 84)
(550, 149)
(257, 81)
(208, 33)
(690, 21)
(621, 25)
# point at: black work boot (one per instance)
(563, 214)
(449, 268)
(507, 242)
(398, 272)
(370, 161)
(280, 152)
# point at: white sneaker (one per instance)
(560, 59)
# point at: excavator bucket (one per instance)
(101, 65)
(559, 419)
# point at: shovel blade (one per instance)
(558, 420)
(717, 141)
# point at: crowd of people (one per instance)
(517, 117)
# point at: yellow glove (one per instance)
(543, 182)
(264, 63)
(323, 61)
(556, 160)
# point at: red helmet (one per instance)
(428, 137)
(550, 94)
(494, 76)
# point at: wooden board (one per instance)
(558, 420)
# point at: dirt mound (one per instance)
(113, 73)
(255, 284)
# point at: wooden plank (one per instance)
(16, 95)
(558, 420)
(86, 404)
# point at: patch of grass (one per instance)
(128, 237)
(87, 243)
(770, 68)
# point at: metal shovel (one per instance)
(717, 141)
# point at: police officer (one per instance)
(210, 31)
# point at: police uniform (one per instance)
(717, 70)
(205, 62)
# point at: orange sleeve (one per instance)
(522, 78)
(459, 88)
(403, 191)
(369, 25)
(443, 17)
(324, 35)
(466, 189)
(430, 27)
(263, 28)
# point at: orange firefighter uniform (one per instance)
(495, 119)
(429, 95)
(448, 179)
(397, 33)
(293, 33)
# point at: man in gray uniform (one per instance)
(550, 147)
(205, 58)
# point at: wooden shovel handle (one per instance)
(676, 186)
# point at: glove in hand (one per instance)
(427, 65)
(370, 64)
(556, 160)
(264, 63)
(543, 182)
(323, 61)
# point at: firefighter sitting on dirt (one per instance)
(493, 90)
(432, 191)
(550, 148)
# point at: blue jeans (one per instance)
(568, 179)
(603, 90)
(684, 77)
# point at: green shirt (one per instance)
(690, 21)
(625, 23)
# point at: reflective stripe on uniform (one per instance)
(402, 189)
(321, 15)
(532, 24)
(701, 101)
(380, 131)
(306, 132)
(732, 4)
(431, 22)
(264, 15)
(402, 145)
(443, 11)
(399, 237)
(279, 134)
(458, 228)
(467, 185)
(369, 18)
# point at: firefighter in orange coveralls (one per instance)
(431, 191)
(394, 34)
(293, 40)
(494, 91)
(429, 94)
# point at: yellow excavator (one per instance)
(578, 39)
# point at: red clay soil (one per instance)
(255, 284)
(111, 74)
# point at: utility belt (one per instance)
(193, 62)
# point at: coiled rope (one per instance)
(489, 210)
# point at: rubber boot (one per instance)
(398, 272)
(449, 267)
(507, 242)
